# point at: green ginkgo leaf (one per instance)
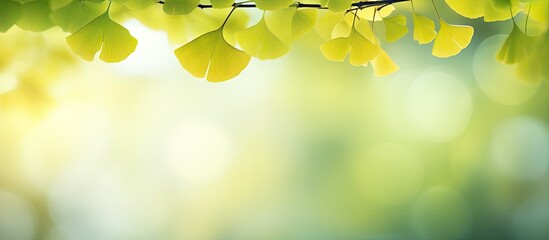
(360, 49)
(451, 39)
(289, 24)
(384, 65)
(35, 16)
(517, 47)
(114, 41)
(395, 28)
(222, 3)
(179, 7)
(77, 14)
(491, 10)
(424, 29)
(211, 54)
(273, 5)
(139, 4)
(327, 23)
(336, 5)
(10, 12)
(260, 42)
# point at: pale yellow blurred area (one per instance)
(293, 148)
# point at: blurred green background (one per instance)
(294, 148)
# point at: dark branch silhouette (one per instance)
(356, 5)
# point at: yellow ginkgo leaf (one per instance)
(336, 5)
(424, 29)
(368, 13)
(211, 54)
(289, 24)
(139, 4)
(360, 49)
(327, 23)
(491, 10)
(179, 7)
(384, 65)
(222, 3)
(114, 41)
(451, 39)
(395, 28)
(260, 42)
(516, 48)
(10, 12)
(273, 5)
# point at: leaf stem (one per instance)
(361, 4)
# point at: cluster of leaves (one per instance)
(347, 26)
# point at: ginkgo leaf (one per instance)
(10, 12)
(336, 5)
(517, 47)
(273, 5)
(260, 42)
(289, 24)
(491, 10)
(77, 14)
(360, 49)
(327, 23)
(395, 28)
(369, 13)
(424, 29)
(222, 3)
(179, 7)
(384, 65)
(211, 54)
(114, 41)
(35, 16)
(451, 39)
(140, 4)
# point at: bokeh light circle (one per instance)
(438, 106)
(498, 80)
(389, 173)
(520, 148)
(441, 213)
(8, 81)
(531, 220)
(17, 219)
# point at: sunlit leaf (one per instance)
(139, 4)
(336, 5)
(395, 28)
(289, 24)
(222, 3)
(517, 47)
(327, 23)
(491, 10)
(10, 12)
(179, 7)
(424, 29)
(114, 41)
(360, 49)
(368, 13)
(451, 39)
(384, 65)
(35, 16)
(77, 14)
(210, 54)
(273, 5)
(260, 42)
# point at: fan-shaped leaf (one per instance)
(517, 47)
(210, 54)
(451, 39)
(260, 42)
(491, 10)
(360, 49)
(273, 5)
(35, 16)
(222, 3)
(180, 7)
(291, 23)
(327, 23)
(384, 65)
(395, 28)
(424, 29)
(336, 5)
(10, 12)
(102, 33)
(77, 14)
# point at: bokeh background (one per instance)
(294, 148)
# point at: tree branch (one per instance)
(356, 5)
